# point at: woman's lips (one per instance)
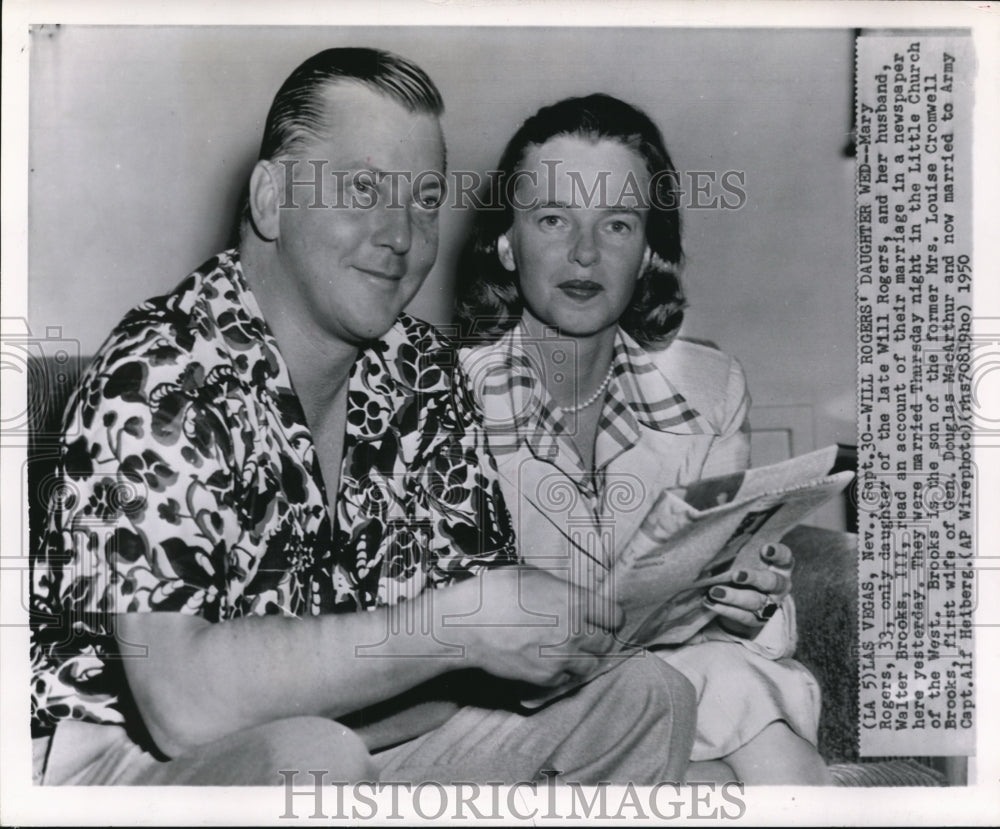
(580, 289)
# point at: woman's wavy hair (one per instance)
(488, 298)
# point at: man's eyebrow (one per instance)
(358, 165)
(367, 167)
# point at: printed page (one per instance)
(661, 582)
(917, 574)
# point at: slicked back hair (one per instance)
(299, 112)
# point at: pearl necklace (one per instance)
(590, 401)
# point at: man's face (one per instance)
(356, 250)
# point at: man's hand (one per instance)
(525, 624)
(201, 681)
(754, 595)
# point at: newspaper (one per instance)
(698, 536)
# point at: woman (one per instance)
(593, 406)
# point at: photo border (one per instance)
(20, 803)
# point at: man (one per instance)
(282, 519)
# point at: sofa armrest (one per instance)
(824, 585)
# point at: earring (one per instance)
(505, 254)
(647, 256)
(656, 262)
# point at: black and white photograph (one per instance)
(509, 413)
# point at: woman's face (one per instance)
(578, 240)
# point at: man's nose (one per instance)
(392, 227)
(584, 251)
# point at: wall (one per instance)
(141, 139)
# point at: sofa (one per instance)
(825, 589)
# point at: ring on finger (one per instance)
(767, 610)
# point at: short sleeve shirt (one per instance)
(188, 483)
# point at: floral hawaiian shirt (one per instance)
(189, 483)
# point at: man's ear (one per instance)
(505, 254)
(264, 189)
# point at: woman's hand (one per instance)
(754, 595)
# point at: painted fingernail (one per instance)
(741, 577)
(717, 593)
(770, 551)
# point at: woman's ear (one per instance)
(505, 254)
(647, 257)
(652, 261)
(264, 191)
